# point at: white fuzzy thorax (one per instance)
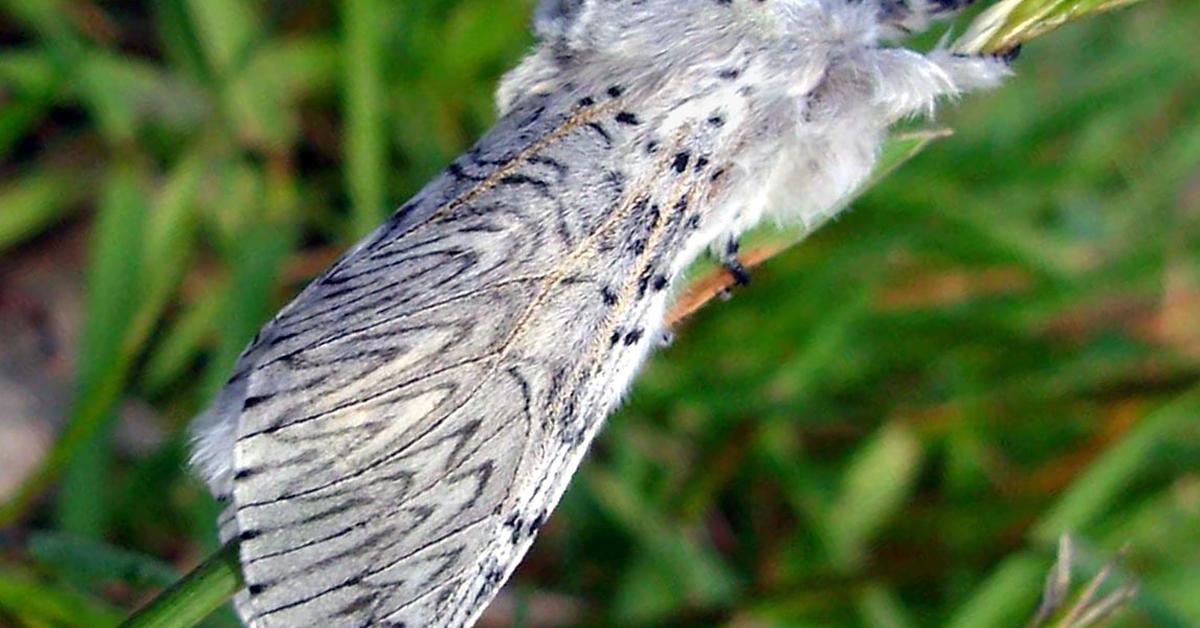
(826, 87)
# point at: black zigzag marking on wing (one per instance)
(462, 316)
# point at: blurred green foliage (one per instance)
(999, 343)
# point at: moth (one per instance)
(390, 443)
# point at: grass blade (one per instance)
(94, 562)
(1109, 477)
(366, 138)
(33, 203)
(114, 294)
(38, 604)
(205, 589)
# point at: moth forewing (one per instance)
(390, 465)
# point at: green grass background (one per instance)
(890, 427)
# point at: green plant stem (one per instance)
(197, 595)
(1010, 23)
(366, 135)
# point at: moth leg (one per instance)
(741, 275)
(1010, 55)
(969, 72)
(728, 256)
(913, 82)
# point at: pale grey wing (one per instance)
(412, 417)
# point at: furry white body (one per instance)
(391, 441)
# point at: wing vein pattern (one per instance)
(409, 421)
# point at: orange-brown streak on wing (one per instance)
(581, 116)
(628, 289)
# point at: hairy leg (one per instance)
(910, 83)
